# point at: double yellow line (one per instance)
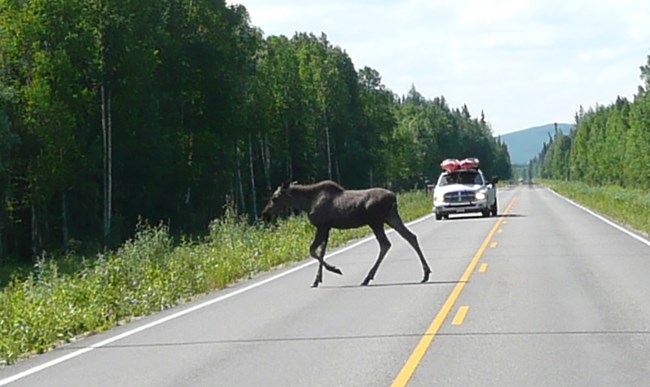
(418, 353)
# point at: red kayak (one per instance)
(469, 163)
(450, 165)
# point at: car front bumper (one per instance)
(460, 208)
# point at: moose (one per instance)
(328, 205)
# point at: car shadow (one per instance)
(512, 216)
(483, 217)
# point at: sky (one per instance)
(524, 63)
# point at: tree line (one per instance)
(114, 111)
(609, 145)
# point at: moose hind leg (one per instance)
(321, 238)
(384, 245)
(396, 223)
(328, 266)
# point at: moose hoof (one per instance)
(333, 269)
(365, 282)
(426, 277)
(315, 285)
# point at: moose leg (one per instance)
(328, 266)
(321, 240)
(322, 236)
(396, 222)
(384, 245)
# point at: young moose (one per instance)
(329, 206)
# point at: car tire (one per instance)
(494, 209)
(438, 217)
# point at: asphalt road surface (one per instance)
(545, 294)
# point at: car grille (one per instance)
(459, 197)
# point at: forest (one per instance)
(117, 112)
(609, 145)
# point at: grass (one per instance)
(11, 269)
(151, 272)
(630, 207)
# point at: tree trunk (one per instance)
(190, 155)
(328, 145)
(252, 172)
(2, 241)
(109, 213)
(240, 184)
(329, 154)
(3, 223)
(102, 93)
(108, 170)
(64, 217)
(338, 171)
(289, 166)
(266, 161)
(37, 242)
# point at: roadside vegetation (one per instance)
(152, 272)
(628, 206)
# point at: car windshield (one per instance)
(461, 177)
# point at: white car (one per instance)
(464, 191)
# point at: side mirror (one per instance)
(495, 179)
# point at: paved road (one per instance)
(547, 294)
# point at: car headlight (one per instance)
(481, 195)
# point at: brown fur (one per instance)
(329, 206)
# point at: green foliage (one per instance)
(149, 273)
(429, 132)
(168, 110)
(609, 145)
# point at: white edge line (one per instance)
(163, 320)
(616, 226)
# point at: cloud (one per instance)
(492, 11)
(524, 62)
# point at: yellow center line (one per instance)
(418, 353)
(460, 315)
(493, 245)
(483, 268)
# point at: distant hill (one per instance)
(524, 145)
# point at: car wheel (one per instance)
(438, 217)
(486, 213)
(494, 209)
